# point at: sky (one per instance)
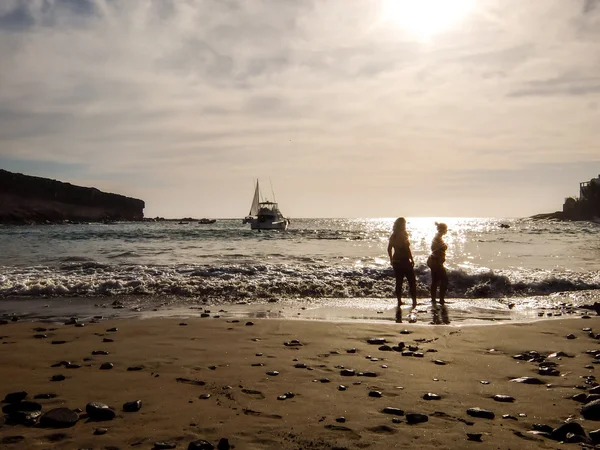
(348, 108)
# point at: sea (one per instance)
(507, 269)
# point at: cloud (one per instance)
(324, 97)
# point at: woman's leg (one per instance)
(443, 284)
(399, 273)
(412, 285)
(435, 280)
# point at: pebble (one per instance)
(376, 341)
(508, 416)
(527, 380)
(571, 336)
(59, 418)
(100, 431)
(259, 354)
(15, 397)
(351, 350)
(405, 332)
(161, 445)
(99, 411)
(430, 396)
(204, 396)
(341, 387)
(347, 373)
(133, 406)
(325, 380)
(474, 437)
(393, 411)
(484, 382)
(591, 411)
(272, 373)
(112, 330)
(375, 394)
(396, 420)
(367, 374)
(548, 371)
(40, 336)
(414, 418)
(106, 366)
(249, 324)
(257, 365)
(135, 368)
(223, 444)
(595, 436)
(503, 398)
(300, 366)
(183, 324)
(385, 348)
(200, 445)
(560, 433)
(99, 352)
(58, 342)
(73, 366)
(293, 343)
(58, 378)
(45, 396)
(481, 413)
(439, 362)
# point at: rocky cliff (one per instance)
(27, 199)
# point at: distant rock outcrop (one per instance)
(27, 199)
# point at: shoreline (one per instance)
(212, 379)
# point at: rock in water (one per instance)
(59, 418)
(414, 418)
(201, 445)
(481, 413)
(591, 411)
(99, 411)
(132, 406)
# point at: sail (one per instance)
(255, 200)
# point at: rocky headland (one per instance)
(26, 199)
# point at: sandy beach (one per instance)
(224, 380)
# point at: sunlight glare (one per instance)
(425, 18)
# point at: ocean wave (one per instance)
(263, 281)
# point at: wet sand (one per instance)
(229, 360)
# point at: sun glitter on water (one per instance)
(424, 19)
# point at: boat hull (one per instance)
(255, 224)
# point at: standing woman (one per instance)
(436, 263)
(402, 260)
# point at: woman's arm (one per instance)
(390, 247)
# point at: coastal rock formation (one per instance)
(584, 207)
(26, 199)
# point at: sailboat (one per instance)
(265, 215)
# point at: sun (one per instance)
(425, 18)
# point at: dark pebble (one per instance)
(272, 373)
(135, 368)
(108, 340)
(376, 341)
(347, 373)
(375, 394)
(439, 362)
(503, 398)
(542, 427)
(249, 324)
(58, 342)
(164, 445)
(474, 437)
(59, 418)
(112, 330)
(571, 336)
(73, 366)
(341, 387)
(548, 371)
(257, 365)
(293, 343)
(11, 439)
(393, 411)
(430, 396)
(99, 411)
(418, 354)
(325, 380)
(340, 419)
(223, 444)
(100, 431)
(385, 348)
(24, 406)
(200, 445)
(183, 324)
(99, 352)
(45, 396)
(591, 411)
(367, 374)
(300, 366)
(405, 332)
(351, 350)
(134, 406)
(527, 380)
(58, 378)
(508, 416)
(414, 418)
(407, 353)
(396, 420)
(595, 436)
(204, 396)
(481, 413)
(40, 336)
(106, 366)
(15, 397)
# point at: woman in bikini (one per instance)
(436, 260)
(402, 260)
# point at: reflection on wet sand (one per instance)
(439, 315)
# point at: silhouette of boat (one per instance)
(207, 221)
(265, 215)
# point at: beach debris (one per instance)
(431, 396)
(340, 419)
(200, 445)
(414, 418)
(503, 398)
(376, 341)
(527, 380)
(188, 381)
(133, 406)
(375, 394)
(59, 418)
(591, 411)
(15, 397)
(393, 411)
(99, 411)
(474, 437)
(480, 413)
(106, 366)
